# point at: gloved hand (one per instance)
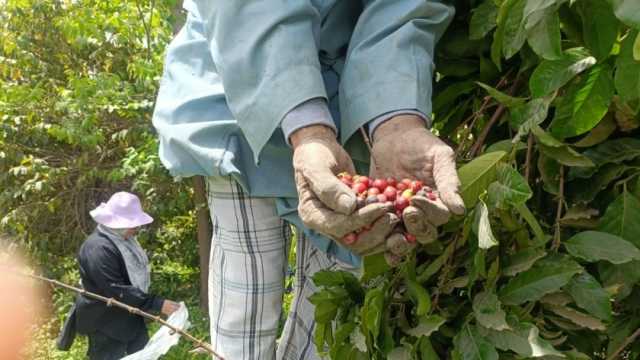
(328, 206)
(404, 148)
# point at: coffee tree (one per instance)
(540, 99)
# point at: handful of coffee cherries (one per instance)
(399, 193)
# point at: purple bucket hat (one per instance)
(122, 211)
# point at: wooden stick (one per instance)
(494, 119)
(112, 302)
(628, 341)
(528, 165)
(557, 235)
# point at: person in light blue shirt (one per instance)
(266, 98)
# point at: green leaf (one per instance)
(619, 332)
(551, 75)
(482, 227)
(446, 97)
(627, 77)
(523, 339)
(501, 97)
(514, 32)
(373, 310)
(521, 261)
(622, 276)
(399, 353)
(488, 311)
(426, 326)
(622, 218)
(510, 189)
(342, 278)
(590, 296)
(419, 296)
(470, 345)
(506, 145)
(595, 246)
(373, 266)
(544, 37)
(358, 340)
(528, 216)
(483, 20)
(585, 190)
(577, 317)
(599, 27)
(636, 48)
(529, 115)
(584, 104)
(550, 173)
(598, 134)
(610, 152)
(559, 151)
(477, 175)
(546, 275)
(537, 6)
(426, 350)
(628, 11)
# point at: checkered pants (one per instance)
(247, 270)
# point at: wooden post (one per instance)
(204, 237)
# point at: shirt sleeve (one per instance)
(311, 112)
(389, 65)
(266, 54)
(105, 269)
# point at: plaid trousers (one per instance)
(247, 269)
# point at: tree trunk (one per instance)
(204, 237)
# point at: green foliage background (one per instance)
(540, 99)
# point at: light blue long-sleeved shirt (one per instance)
(238, 69)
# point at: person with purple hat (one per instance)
(113, 264)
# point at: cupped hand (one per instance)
(404, 148)
(327, 205)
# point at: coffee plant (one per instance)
(541, 101)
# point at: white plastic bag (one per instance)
(163, 339)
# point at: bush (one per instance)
(541, 101)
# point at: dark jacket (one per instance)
(103, 272)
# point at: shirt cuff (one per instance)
(373, 124)
(311, 112)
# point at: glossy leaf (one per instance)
(501, 97)
(488, 311)
(584, 104)
(521, 261)
(544, 37)
(483, 20)
(595, 246)
(550, 75)
(622, 218)
(510, 188)
(610, 152)
(523, 339)
(477, 175)
(470, 345)
(628, 11)
(427, 325)
(546, 275)
(590, 296)
(514, 32)
(627, 77)
(577, 317)
(599, 26)
(559, 151)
